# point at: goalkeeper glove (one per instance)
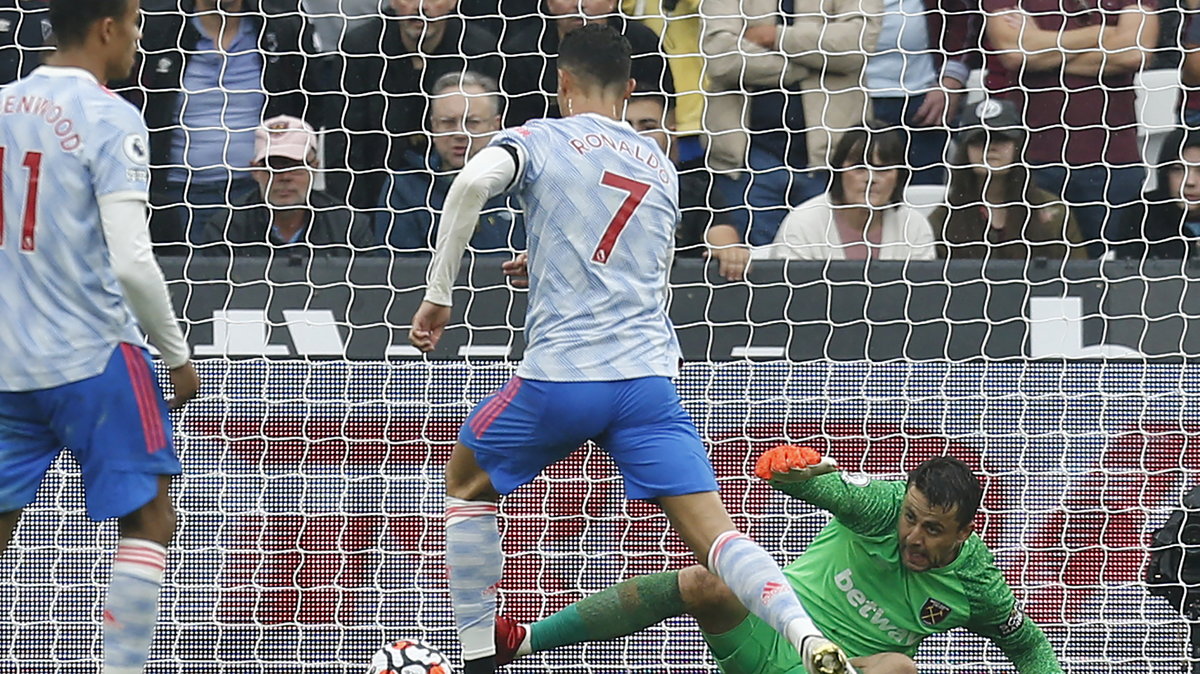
(788, 463)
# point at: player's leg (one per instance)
(710, 601)
(617, 611)
(661, 457)
(627, 608)
(740, 642)
(474, 558)
(155, 521)
(465, 479)
(28, 447)
(8, 524)
(751, 574)
(751, 646)
(139, 566)
(885, 663)
(131, 606)
(743, 644)
(506, 442)
(117, 426)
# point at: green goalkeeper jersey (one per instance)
(856, 589)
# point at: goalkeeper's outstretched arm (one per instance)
(1025, 645)
(864, 505)
(1030, 650)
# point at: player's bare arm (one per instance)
(186, 384)
(427, 325)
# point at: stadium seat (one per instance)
(925, 198)
(1157, 112)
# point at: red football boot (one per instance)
(509, 635)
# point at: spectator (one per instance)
(1072, 71)
(530, 77)
(773, 142)
(678, 23)
(652, 114)
(284, 212)
(863, 215)
(1172, 24)
(211, 70)
(502, 17)
(995, 211)
(388, 66)
(25, 36)
(464, 112)
(915, 74)
(1171, 213)
(333, 18)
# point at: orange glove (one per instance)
(789, 463)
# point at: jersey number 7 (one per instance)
(636, 191)
(33, 163)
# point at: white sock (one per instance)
(475, 560)
(131, 609)
(754, 577)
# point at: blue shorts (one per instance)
(528, 425)
(115, 424)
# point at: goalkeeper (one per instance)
(899, 562)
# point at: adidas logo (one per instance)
(772, 590)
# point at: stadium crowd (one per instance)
(800, 128)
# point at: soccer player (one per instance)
(900, 561)
(77, 270)
(601, 205)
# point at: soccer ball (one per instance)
(409, 656)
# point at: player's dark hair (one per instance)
(598, 53)
(949, 483)
(72, 19)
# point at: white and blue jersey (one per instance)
(65, 141)
(601, 205)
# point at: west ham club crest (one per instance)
(934, 612)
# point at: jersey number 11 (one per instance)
(33, 163)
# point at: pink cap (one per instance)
(284, 136)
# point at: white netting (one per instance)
(310, 510)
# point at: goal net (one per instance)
(310, 509)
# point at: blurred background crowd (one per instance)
(802, 129)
